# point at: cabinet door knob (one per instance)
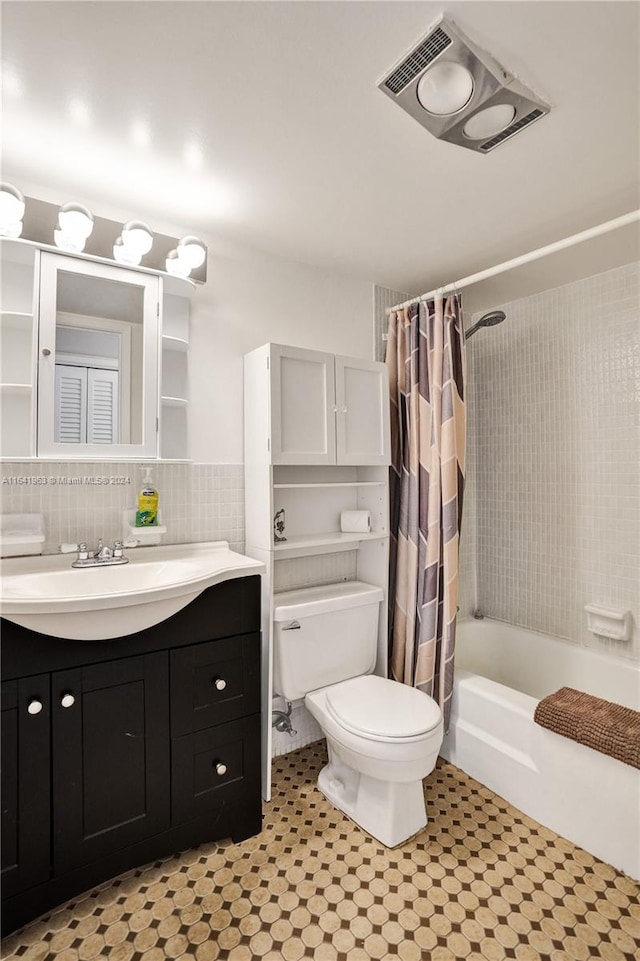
(334, 409)
(67, 700)
(220, 684)
(46, 352)
(34, 706)
(344, 410)
(221, 768)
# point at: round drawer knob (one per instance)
(34, 706)
(221, 769)
(67, 700)
(46, 352)
(220, 684)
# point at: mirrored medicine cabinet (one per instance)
(94, 358)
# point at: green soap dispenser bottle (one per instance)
(147, 509)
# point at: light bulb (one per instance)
(138, 237)
(75, 224)
(191, 251)
(445, 89)
(487, 123)
(11, 210)
(125, 255)
(177, 266)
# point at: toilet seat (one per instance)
(382, 710)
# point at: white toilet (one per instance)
(383, 737)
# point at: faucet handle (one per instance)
(82, 549)
(69, 548)
(118, 548)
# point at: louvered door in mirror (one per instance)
(97, 360)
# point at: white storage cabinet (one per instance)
(326, 409)
(316, 443)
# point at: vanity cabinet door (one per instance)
(110, 757)
(26, 717)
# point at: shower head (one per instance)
(487, 320)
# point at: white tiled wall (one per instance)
(290, 575)
(552, 508)
(82, 502)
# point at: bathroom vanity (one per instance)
(117, 752)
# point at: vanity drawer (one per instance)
(214, 767)
(214, 682)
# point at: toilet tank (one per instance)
(323, 635)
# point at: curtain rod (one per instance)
(604, 228)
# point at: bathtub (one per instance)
(501, 674)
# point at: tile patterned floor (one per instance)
(483, 881)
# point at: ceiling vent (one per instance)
(459, 92)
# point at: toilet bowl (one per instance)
(383, 737)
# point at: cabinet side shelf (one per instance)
(320, 485)
(16, 388)
(174, 343)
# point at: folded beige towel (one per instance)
(606, 727)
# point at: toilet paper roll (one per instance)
(356, 522)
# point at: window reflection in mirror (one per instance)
(98, 361)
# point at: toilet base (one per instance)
(390, 811)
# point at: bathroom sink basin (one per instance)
(47, 595)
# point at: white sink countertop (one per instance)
(47, 595)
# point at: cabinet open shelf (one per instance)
(328, 543)
(320, 485)
(16, 318)
(16, 388)
(174, 343)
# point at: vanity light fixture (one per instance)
(11, 211)
(459, 92)
(75, 224)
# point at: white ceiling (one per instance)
(260, 123)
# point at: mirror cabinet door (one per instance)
(97, 360)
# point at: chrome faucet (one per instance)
(103, 556)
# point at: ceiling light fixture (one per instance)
(11, 211)
(445, 89)
(490, 121)
(459, 92)
(75, 224)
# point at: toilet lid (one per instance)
(381, 708)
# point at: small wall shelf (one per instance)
(174, 343)
(321, 485)
(16, 318)
(16, 388)
(331, 543)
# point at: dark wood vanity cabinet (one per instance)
(118, 752)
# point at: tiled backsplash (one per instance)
(551, 514)
(82, 502)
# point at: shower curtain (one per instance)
(426, 361)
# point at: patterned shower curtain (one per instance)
(426, 361)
